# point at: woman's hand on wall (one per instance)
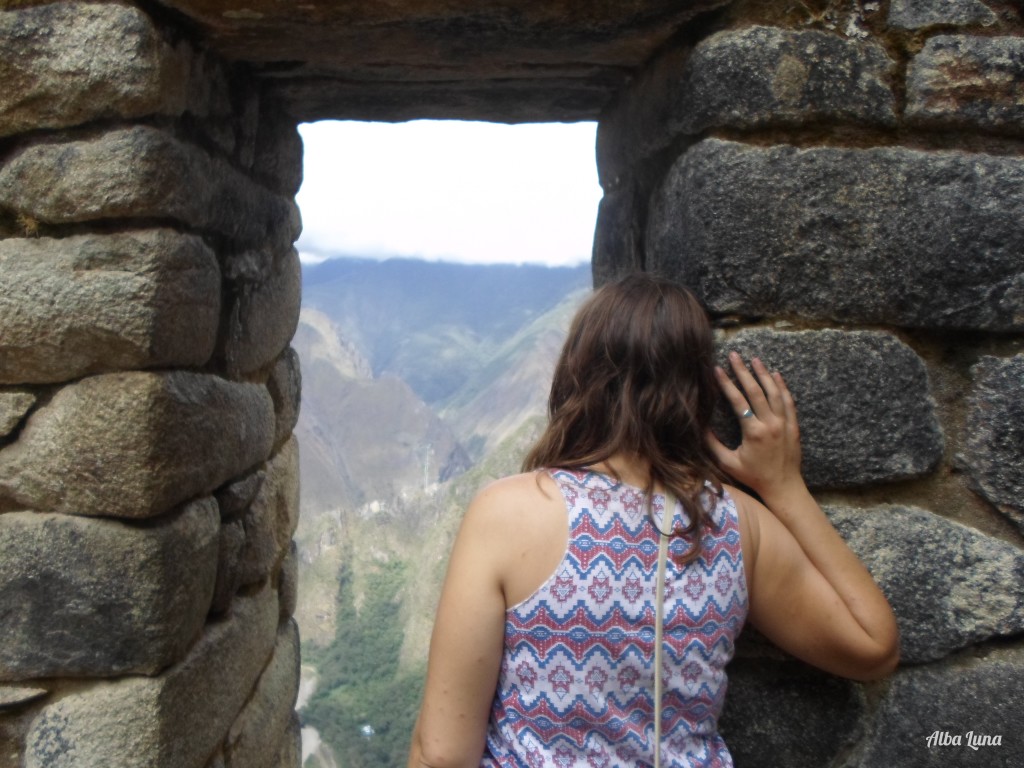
(768, 458)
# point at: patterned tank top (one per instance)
(576, 683)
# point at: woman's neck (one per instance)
(631, 470)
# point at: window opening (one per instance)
(442, 262)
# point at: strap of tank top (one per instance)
(659, 619)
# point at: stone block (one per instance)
(278, 159)
(142, 172)
(135, 444)
(968, 82)
(245, 120)
(259, 733)
(263, 315)
(272, 518)
(100, 598)
(980, 695)
(176, 720)
(635, 125)
(95, 303)
(761, 76)
(949, 585)
(14, 404)
(285, 386)
(290, 754)
(71, 63)
(230, 544)
(288, 583)
(210, 100)
(789, 714)
(618, 238)
(748, 78)
(253, 544)
(235, 497)
(994, 451)
(884, 235)
(866, 413)
(918, 14)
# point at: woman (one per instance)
(544, 646)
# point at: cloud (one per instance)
(457, 191)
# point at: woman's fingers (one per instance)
(732, 394)
(751, 388)
(788, 404)
(770, 448)
(763, 394)
(769, 385)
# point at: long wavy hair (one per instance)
(636, 377)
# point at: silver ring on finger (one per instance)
(746, 414)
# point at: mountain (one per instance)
(434, 324)
(512, 385)
(365, 442)
(373, 435)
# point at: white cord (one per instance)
(659, 620)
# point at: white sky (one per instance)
(449, 190)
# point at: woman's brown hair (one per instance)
(636, 377)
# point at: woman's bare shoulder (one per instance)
(519, 523)
(522, 492)
(518, 508)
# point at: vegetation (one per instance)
(365, 706)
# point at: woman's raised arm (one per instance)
(809, 593)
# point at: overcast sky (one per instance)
(448, 190)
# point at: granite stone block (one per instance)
(885, 235)
(104, 302)
(866, 412)
(142, 172)
(994, 452)
(950, 586)
(176, 720)
(70, 63)
(968, 82)
(100, 598)
(135, 445)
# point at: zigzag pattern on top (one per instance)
(577, 676)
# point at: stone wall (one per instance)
(843, 185)
(841, 181)
(148, 477)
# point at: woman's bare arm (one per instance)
(809, 593)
